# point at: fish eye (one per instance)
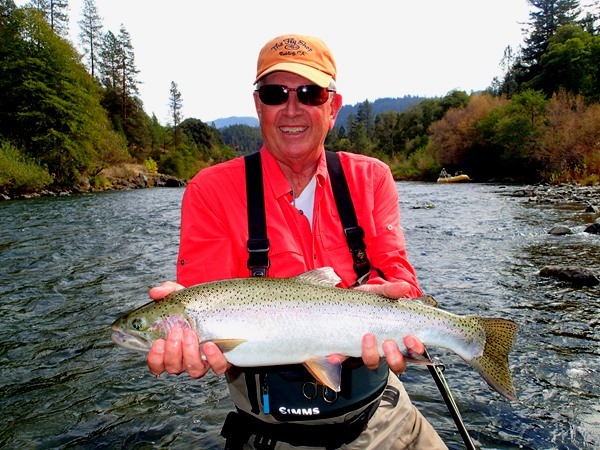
(138, 324)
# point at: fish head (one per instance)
(139, 329)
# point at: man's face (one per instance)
(294, 130)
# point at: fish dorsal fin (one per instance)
(427, 300)
(324, 276)
(326, 372)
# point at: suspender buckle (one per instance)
(258, 245)
(258, 260)
(355, 237)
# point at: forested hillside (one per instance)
(62, 121)
(66, 114)
(540, 121)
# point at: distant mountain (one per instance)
(379, 106)
(222, 123)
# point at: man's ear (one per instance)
(257, 104)
(336, 105)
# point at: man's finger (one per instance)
(173, 351)
(194, 365)
(215, 358)
(394, 357)
(156, 357)
(370, 353)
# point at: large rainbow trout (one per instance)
(274, 321)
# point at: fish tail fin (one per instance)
(500, 336)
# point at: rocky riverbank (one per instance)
(589, 199)
(123, 177)
(587, 196)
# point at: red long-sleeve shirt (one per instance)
(214, 229)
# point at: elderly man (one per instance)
(278, 213)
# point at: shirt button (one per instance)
(390, 227)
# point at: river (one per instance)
(71, 265)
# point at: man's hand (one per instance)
(393, 290)
(180, 352)
(393, 356)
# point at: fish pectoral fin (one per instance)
(416, 358)
(326, 372)
(226, 345)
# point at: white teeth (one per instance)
(292, 130)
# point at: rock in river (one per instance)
(573, 274)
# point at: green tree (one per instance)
(7, 8)
(547, 17)
(364, 116)
(383, 132)
(243, 139)
(109, 61)
(56, 13)
(118, 75)
(90, 34)
(175, 108)
(572, 62)
(49, 105)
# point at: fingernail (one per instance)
(175, 333)
(370, 340)
(159, 346)
(388, 346)
(209, 348)
(188, 337)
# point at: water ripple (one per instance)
(71, 265)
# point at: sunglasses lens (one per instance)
(273, 94)
(312, 95)
(277, 94)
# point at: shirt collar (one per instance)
(277, 180)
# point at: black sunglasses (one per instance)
(278, 94)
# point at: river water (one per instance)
(71, 265)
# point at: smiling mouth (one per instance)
(293, 130)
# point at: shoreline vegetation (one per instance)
(115, 178)
(68, 124)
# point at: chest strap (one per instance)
(258, 243)
(355, 235)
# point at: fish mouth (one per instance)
(130, 341)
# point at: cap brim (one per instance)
(310, 73)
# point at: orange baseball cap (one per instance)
(306, 56)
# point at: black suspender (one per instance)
(355, 235)
(258, 244)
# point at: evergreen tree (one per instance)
(118, 75)
(56, 13)
(7, 8)
(545, 20)
(49, 105)
(127, 69)
(175, 106)
(591, 21)
(364, 116)
(90, 34)
(109, 61)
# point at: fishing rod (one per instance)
(436, 370)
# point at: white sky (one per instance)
(383, 48)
